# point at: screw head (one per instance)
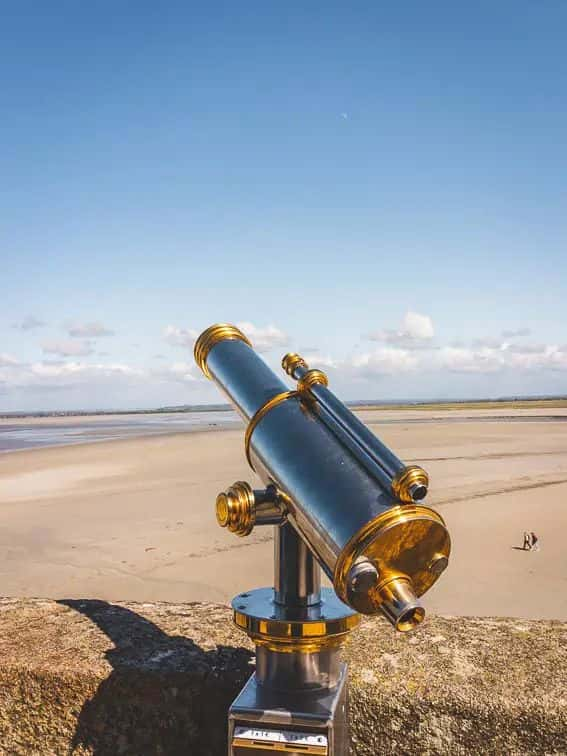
(438, 564)
(363, 577)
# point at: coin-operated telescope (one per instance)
(340, 500)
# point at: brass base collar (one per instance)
(284, 631)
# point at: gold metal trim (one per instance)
(298, 646)
(311, 378)
(259, 414)
(410, 476)
(286, 636)
(291, 361)
(210, 337)
(370, 532)
(235, 509)
(262, 745)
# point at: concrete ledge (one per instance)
(88, 677)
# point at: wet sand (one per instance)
(134, 519)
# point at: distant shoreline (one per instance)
(504, 403)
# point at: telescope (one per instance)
(339, 500)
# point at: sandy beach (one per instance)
(134, 518)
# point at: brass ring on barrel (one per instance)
(259, 414)
(311, 378)
(209, 338)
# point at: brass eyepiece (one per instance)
(410, 484)
(236, 508)
(399, 604)
(212, 336)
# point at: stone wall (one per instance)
(89, 677)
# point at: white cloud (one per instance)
(526, 348)
(505, 357)
(416, 331)
(183, 372)
(55, 374)
(89, 330)
(318, 360)
(29, 323)
(78, 369)
(6, 360)
(262, 339)
(184, 337)
(487, 341)
(386, 361)
(464, 360)
(68, 348)
(265, 338)
(518, 333)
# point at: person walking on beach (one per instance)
(534, 542)
(527, 541)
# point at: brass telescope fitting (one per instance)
(236, 509)
(410, 484)
(209, 338)
(240, 508)
(291, 361)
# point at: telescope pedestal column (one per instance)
(296, 701)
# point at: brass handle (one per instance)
(236, 510)
(239, 508)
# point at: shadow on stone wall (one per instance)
(165, 694)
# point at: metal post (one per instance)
(297, 576)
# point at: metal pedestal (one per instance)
(264, 721)
(296, 701)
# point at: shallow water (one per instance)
(22, 435)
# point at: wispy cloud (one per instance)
(6, 360)
(415, 331)
(68, 348)
(180, 372)
(264, 338)
(386, 361)
(177, 336)
(89, 330)
(519, 333)
(29, 323)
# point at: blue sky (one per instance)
(383, 186)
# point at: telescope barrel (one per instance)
(380, 552)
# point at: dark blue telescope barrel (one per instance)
(335, 478)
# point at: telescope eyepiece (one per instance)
(399, 604)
